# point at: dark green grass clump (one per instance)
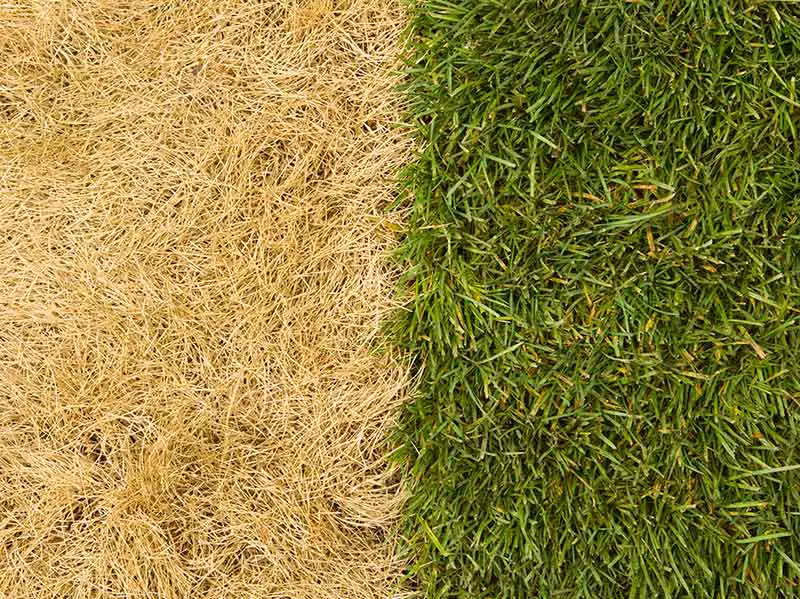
(603, 253)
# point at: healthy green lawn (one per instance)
(603, 256)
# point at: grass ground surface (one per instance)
(193, 273)
(603, 256)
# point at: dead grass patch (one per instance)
(192, 249)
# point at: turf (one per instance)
(603, 269)
(193, 273)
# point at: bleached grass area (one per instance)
(193, 274)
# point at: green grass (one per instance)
(603, 257)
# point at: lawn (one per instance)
(604, 283)
(193, 271)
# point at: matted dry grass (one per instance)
(192, 261)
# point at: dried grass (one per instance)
(192, 251)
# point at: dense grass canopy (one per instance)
(193, 273)
(603, 257)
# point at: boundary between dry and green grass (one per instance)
(603, 263)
